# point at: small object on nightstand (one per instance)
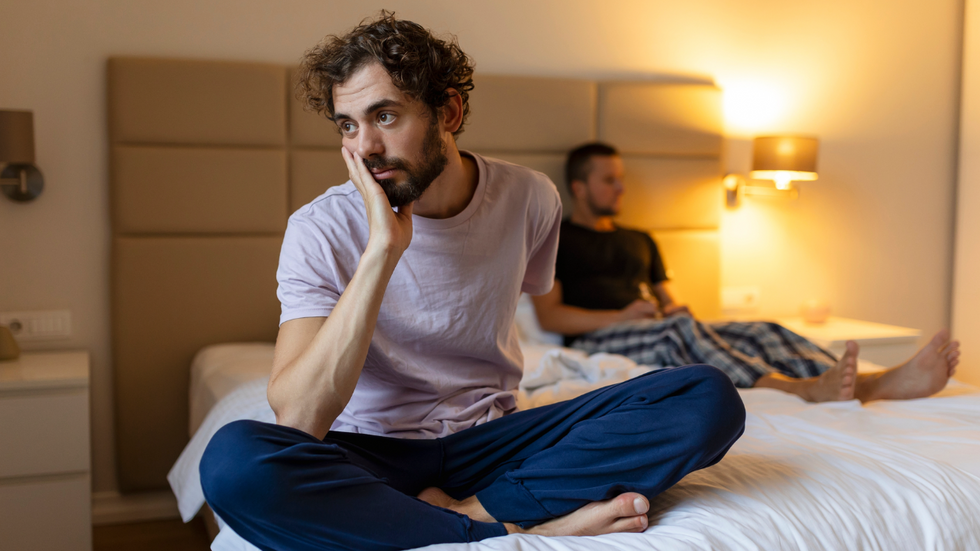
(815, 311)
(8, 346)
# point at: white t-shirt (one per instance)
(445, 354)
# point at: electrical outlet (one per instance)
(740, 300)
(38, 325)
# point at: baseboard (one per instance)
(116, 508)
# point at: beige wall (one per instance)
(966, 290)
(876, 80)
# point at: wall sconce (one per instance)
(781, 159)
(19, 177)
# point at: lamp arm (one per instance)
(20, 182)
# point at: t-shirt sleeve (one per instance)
(307, 273)
(539, 276)
(657, 271)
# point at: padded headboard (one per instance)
(209, 158)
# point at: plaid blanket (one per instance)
(745, 351)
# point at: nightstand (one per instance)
(885, 345)
(45, 480)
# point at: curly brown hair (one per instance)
(421, 65)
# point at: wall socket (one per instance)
(38, 325)
(740, 300)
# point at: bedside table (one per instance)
(45, 480)
(885, 345)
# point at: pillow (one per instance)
(528, 329)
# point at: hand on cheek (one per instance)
(391, 230)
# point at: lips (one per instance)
(383, 174)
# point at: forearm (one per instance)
(572, 320)
(311, 390)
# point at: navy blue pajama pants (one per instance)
(284, 490)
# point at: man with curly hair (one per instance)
(397, 357)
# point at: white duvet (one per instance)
(890, 475)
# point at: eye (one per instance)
(347, 127)
(386, 118)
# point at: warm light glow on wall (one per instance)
(751, 107)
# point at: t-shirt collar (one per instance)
(471, 208)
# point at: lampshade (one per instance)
(16, 137)
(784, 159)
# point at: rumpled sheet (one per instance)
(890, 475)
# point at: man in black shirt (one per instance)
(611, 294)
(605, 274)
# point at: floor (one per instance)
(160, 535)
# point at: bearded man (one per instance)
(397, 357)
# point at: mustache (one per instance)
(375, 163)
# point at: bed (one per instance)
(200, 194)
(889, 475)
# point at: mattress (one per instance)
(888, 475)
(219, 369)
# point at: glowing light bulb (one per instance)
(782, 179)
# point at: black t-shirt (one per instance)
(604, 270)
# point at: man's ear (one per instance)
(451, 113)
(578, 188)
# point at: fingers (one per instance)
(359, 173)
(351, 167)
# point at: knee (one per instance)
(720, 412)
(229, 462)
(246, 466)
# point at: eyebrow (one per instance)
(380, 104)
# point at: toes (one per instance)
(941, 337)
(630, 504)
(637, 523)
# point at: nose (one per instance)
(368, 142)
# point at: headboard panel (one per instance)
(209, 158)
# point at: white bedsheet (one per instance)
(891, 475)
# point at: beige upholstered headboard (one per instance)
(208, 159)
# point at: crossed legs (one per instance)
(585, 466)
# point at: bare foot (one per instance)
(623, 513)
(470, 506)
(924, 375)
(836, 384)
(626, 512)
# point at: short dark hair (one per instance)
(421, 65)
(578, 165)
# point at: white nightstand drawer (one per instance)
(46, 514)
(44, 433)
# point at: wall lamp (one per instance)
(781, 159)
(19, 177)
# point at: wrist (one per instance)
(382, 250)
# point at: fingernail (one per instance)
(640, 506)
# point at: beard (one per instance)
(419, 175)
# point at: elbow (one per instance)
(285, 415)
(548, 323)
(312, 418)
